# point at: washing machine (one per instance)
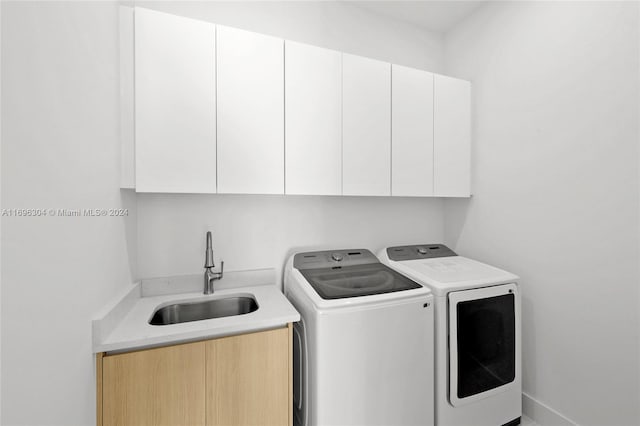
(477, 328)
(363, 349)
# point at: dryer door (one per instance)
(484, 342)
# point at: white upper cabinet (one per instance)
(313, 120)
(412, 132)
(208, 109)
(175, 103)
(127, 122)
(366, 126)
(250, 112)
(452, 137)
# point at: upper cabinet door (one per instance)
(313, 120)
(127, 118)
(366, 118)
(452, 137)
(412, 132)
(175, 103)
(250, 112)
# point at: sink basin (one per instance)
(208, 309)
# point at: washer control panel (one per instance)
(333, 258)
(419, 251)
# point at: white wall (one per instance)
(259, 231)
(555, 184)
(251, 232)
(59, 150)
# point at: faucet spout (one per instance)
(208, 259)
(209, 274)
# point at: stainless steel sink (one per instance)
(196, 311)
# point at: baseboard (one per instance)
(542, 414)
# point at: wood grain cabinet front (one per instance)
(239, 380)
(248, 379)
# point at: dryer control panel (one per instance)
(419, 251)
(333, 258)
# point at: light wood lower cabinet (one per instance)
(164, 386)
(237, 380)
(247, 379)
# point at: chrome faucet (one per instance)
(209, 275)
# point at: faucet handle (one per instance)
(221, 269)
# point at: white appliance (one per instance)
(477, 320)
(363, 349)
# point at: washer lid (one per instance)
(454, 273)
(356, 280)
(339, 274)
(449, 270)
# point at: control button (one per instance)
(422, 250)
(337, 257)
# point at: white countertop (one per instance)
(126, 325)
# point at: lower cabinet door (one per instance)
(247, 379)
(163, 386)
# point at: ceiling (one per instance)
(438, 16)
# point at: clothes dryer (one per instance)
(477, 327)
